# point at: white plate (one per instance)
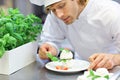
(78, 65)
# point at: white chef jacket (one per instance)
(97, 30)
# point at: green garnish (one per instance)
(67, 50)
(63, 60)
(52, 58)
(91, 73)
(93, 76)
(106, 76)
(61, 49)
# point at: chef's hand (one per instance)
(101, 60)
(44, 49)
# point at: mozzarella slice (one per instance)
(66, 55)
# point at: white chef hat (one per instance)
(44, 2)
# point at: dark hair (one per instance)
(83, 2)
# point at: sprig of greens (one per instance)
(52, 58)
(106, 76)
(93, 76)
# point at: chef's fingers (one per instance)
(93, 57)
(101, 64)
(42, 55)
(96, 59)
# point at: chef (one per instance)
(91, 26)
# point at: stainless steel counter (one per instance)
(36, 71)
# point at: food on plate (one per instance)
(65, 57)
(61, 67)
(66, 54)
(99, 74)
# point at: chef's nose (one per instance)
(59, 13)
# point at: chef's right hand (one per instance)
(44, 49)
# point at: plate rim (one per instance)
(67, 71)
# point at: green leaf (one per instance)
(91, 73)
(49, 55)
(95, 76)
(52, 58)
(106, 76)
(10, 41)
(2, 42)
(63, 60)
(18, 38)
(12, 11)
(2, 51)
(61, 49)
(9, 27)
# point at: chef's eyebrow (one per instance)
(48, 9)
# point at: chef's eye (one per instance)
(53, 10)
(58, 7)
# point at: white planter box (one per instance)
(18, 58)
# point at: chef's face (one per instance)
(67, 10)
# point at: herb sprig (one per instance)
(94, 76)
(54, 58)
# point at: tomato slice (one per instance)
(65, 68)
(61, 68)
(58, 67)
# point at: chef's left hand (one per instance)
(101, 60)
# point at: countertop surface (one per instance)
(37, 71)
